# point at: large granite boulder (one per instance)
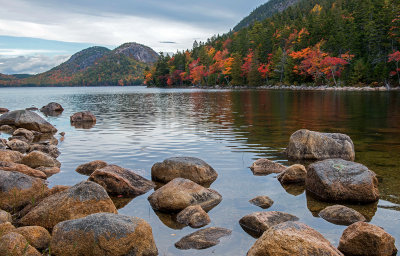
(37, 236)
(13, 167)
(190, 168)
(202, 239)
(305, 144)
(296, 173)
(50, 150)
(120, 181)
(14, 244)
(89, 168)
(339, 180)
(341, 215)
(265, 166)
(81, 200)
(18, 189)
(292, 238)
(259, 222)
(37, 159)
(10, 156)
(28, 120)
(193, 216)
(103, 234)
(180, 193)
(363, 239)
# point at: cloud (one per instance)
(30, 64)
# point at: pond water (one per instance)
(137, 127)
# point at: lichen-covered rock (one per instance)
(259, 222)
(81, 200)
(292, 238)
(89, 168)
(341, 215)
(103, 234)
(18, 145)
(190, 168)
(18, 189)
(294, 174)
(180, 193)
(28, 120)
(13, 167)
(21, 132)
(50, 150)
(37, 159)
(120, 181)
(37, 236)
(5, 217)
(10, 156)
(5, 228)
(339, 180)
(363, 239)
(263, 202)
(48, 171)
(202, 239)
(14, 244)
(305, 144)
(194, 216)
(83, 117)
(265, 166)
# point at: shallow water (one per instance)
(137, 127)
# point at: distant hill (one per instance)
(265, 11)
(137, 51)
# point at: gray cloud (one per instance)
(30, 64)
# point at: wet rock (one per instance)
(10, 156)
(259, 222)
(36, 236)
(6, 128)
(264, 166)
(305, 144)
(294, 174)
(292, 238)
(45, 139)
(339, 180)
(32, 109)
(341, 215)
(120, 181)
(263, 202)
(89, 168)
(83, 117)
(3, 110)
(190, 168)
(13, 167)
(81, 200)
(181, 193)
(203, 238)
(37, 159)
(18, 189)
(28, 120)
(18, 145)
(6, 228)
(363, 239)
(50, 150)
(52, 109)
(14, 244)
(62, 134)
(3, 144)
(104, 234)
(193, 216)
(21, 132)
(48, 171)
(5, 217)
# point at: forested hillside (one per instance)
(331, 42)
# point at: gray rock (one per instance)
(194, 216)
(341, 215)
(50, 150)
(28, 120)
(21, 132)
(263, 202)
(202, 239)
(89, 168)
(18, 145)
(339, 180)
(265, 166)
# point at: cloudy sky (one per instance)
(36, 35)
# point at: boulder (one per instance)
(292, 238)
(5, 217)
(37, 159)
(259, 222)
(37, 236)
(50, 150)
(193, 216)
(339, 180)
(120, 181)
(18, 145)
(48, 171)
(3, 144)
(305, 144)
(341, 215)
(21, 132)
(52, 108)
(364, 239)
(13, 167)
(10, 156)
(263, 202)
(89, 168)
(6, 128)
(103, 234)
(190, 168)
(4, 110)
(264, 166)
(180, 193)
(5, 228)
(202, 239)
(83, 117)
(14, 244)
(18, 189)
(294, 174)
(81, 200)
(46, 139)
(28, 120)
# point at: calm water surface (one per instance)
(137, 127)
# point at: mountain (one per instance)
(137, 51)
(265, 11)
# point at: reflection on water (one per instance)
(137, 127)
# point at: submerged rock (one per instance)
(305, 144)
(194, 216)
(265, 166)
(37, 159)
(294, 174)
(52, 109)
(202, 239)
(13, 167)
(89, 168)
(28, 120)
(14, 244)
(262, 201)
(341, 215)
(339, 180)
(83, 117)
(104, 234)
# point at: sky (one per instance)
(36, 35)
